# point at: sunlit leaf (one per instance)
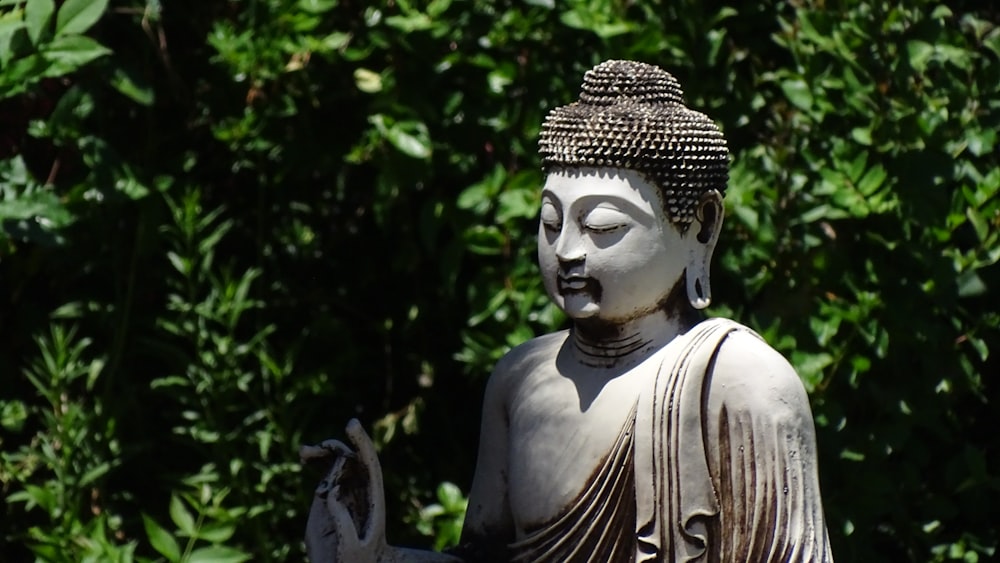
(919, 54)
(77, 16)
(798, 92)
(411, 138)
(181, 516)
(368, 81)
(317, 6)
(217, 532)
(37, 16)
(71, 52)
(872, 180)
(161, 540)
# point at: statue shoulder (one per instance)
(524, 360)
(748, 373)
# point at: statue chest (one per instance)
(560, 437)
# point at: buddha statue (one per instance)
(643, 432)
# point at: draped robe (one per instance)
(736, 485)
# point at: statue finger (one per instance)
(343, 522)
(325, 450)
(375, 531)
(321, 532)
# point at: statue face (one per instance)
(606, 249)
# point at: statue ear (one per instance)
(706, 229)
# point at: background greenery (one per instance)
(230, 226)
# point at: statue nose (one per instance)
(569, 247)
(571, 267)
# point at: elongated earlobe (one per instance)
(699, 288)
(708, 225)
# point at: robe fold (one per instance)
(600, 525)
(739, 486)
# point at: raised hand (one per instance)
(347, 517)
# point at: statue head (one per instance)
(632, 202)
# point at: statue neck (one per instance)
(626, 344)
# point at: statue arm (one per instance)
(763, 459)
(488, 526)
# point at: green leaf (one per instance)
(498, 299)
(821, 211)
(161, 540)
(863, 135)
(181, 516)
(410, 23)
(824, 328)
(970, 284)
(575, 19)
(982, 141)
(611, 29)
(851, 455)
(217, 554)
(317, 6)
(37, 15)
(131, 187)
(919, 53)
(498, 81)
(978, 223)
(992, 41)
(797, 91)
(451, 497)
(22, 73)
(94, 474)
(411, 138)
(33, 495)
(437, 7)
(516, 204)
(474, 197)
(77, 16)
(810, 367)
(941, 12)
(69, 53)
(130, 84)
(335, 41)
(43, 204)
(484, 240)
(856, 167)
(12, 415)
(367, 80)
(8, 28)
(872, 180)
(216, 532)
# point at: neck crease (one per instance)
(624, 344)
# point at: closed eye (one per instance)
(551, 218)
(605, 228)
(605, 220)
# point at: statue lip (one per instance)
(575, 283)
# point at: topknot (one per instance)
(632, 115)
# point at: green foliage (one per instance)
(34, 47)
(443, 519)
(211, 523)
(59, 472)
(226, 228)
